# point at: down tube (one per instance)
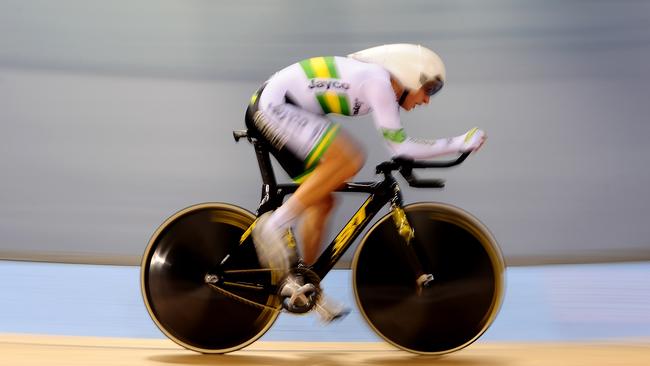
(348, 234)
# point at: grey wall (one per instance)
(114, 114)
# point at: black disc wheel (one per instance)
(192, 313)
(464, 297)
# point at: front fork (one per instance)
(405, 230)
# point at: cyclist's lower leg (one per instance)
(312, 227)
(340, 162)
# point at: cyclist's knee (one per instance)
(358, 161)
(322, 207)
(327, 203)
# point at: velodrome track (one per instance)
(27, 350)
(56, 314)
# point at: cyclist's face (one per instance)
(414, 99)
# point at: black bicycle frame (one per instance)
(381, 193)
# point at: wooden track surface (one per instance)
(32, 350)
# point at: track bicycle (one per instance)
(427, 277)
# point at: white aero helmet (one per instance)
(412, 65)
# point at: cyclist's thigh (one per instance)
(346, 148)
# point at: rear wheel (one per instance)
(185, 248)
(462, 300)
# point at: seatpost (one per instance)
(264, 162)
(270, 198)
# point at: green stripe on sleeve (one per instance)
(345, 107)
(331, 66)
(323, 103)
(306, 67)
(394, 135)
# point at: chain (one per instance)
(242, 299)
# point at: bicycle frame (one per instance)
(201, 263)
(381, 193)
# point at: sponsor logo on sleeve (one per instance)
(328, 84)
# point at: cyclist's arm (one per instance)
(426, 149)
(387, 120)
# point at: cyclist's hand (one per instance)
(473, 140)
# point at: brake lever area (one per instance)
(413, 181)
(406, 165)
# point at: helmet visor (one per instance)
(431, 87)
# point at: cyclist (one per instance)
(289, 112)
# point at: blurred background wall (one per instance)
(115, 114)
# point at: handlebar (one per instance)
(406, 165)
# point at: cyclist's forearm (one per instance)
(426, 149)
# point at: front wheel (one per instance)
(185, 248)
(464, 297)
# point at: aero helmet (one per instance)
(414, 66)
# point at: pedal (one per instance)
(329, 310)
